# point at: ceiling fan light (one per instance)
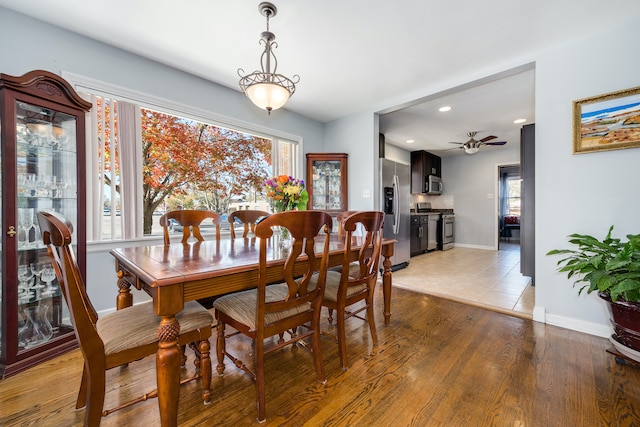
(471, 150)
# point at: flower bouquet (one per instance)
(286, 193)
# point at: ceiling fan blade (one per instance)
(460, 143)
(487, 138)
(495, 143)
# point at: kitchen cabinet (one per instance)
(327, 182)
(423, 233)
(43, 168)
(423, 164)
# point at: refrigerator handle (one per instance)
(396, 200)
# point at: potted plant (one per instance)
(611, 267)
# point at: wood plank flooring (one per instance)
(439, 363)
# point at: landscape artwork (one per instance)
(607, 122)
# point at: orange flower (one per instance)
(282, 179)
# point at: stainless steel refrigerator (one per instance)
(396, 197)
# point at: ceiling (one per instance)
(357, 55)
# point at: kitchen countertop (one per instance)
(433, 211)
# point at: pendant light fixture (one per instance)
(266, 89)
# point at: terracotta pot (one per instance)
(625, 317)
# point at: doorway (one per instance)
(509, 204)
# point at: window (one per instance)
(147, 156)
(513, 196)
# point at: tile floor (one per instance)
(479, 277)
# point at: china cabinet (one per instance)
(42, 131)
(327, 182)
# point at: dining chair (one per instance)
(353, 267)
(189, 219)
(281, 308)
(340, 219)
(248, 218)
(352, 285)
(121, 337)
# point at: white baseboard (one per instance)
(463, 245)
(590, 328)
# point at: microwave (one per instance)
(433, 185)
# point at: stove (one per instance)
(445, 224)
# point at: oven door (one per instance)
(447, 232)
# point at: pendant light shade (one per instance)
(268, 96)
(266, 89)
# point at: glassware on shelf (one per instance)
(27, 184)
(37, 329)
(48, 275)
(59, 189)
(25, 290)
(37, 268)
(40, 133)
(25, 223)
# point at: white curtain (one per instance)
(130, 138)
(114, 136)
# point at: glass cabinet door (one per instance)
(327, 181)
(46, 181)
(42, 130)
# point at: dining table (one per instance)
(176, 273)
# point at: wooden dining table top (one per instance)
(165, 265)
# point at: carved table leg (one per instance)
(387, 253)
(124, 298)
(168, 370)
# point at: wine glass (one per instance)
(37, 268)
(24, 286)
(25, 222)
(48, 275)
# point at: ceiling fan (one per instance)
(473, 145)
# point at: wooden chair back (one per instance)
(118, 338)
(305, 279)
(340, 219)
(56, 235)
(369, 254)
(190, 220)
(248, 219)
(281, 308)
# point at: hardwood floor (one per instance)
(438, 363)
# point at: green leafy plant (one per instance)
(609, 266)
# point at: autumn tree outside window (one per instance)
(144, 161)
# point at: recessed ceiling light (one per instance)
(518, 121)
(444, 109)
(410, 141)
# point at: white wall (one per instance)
(472, 181)
(583, 193)
(357, 136)
(27, 44)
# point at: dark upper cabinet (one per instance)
(423, 164)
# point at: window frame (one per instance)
(84, 84)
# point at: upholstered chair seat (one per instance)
(141, 325)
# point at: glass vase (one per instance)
(285, 238)
(36, 328)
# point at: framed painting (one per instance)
(607, 122)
